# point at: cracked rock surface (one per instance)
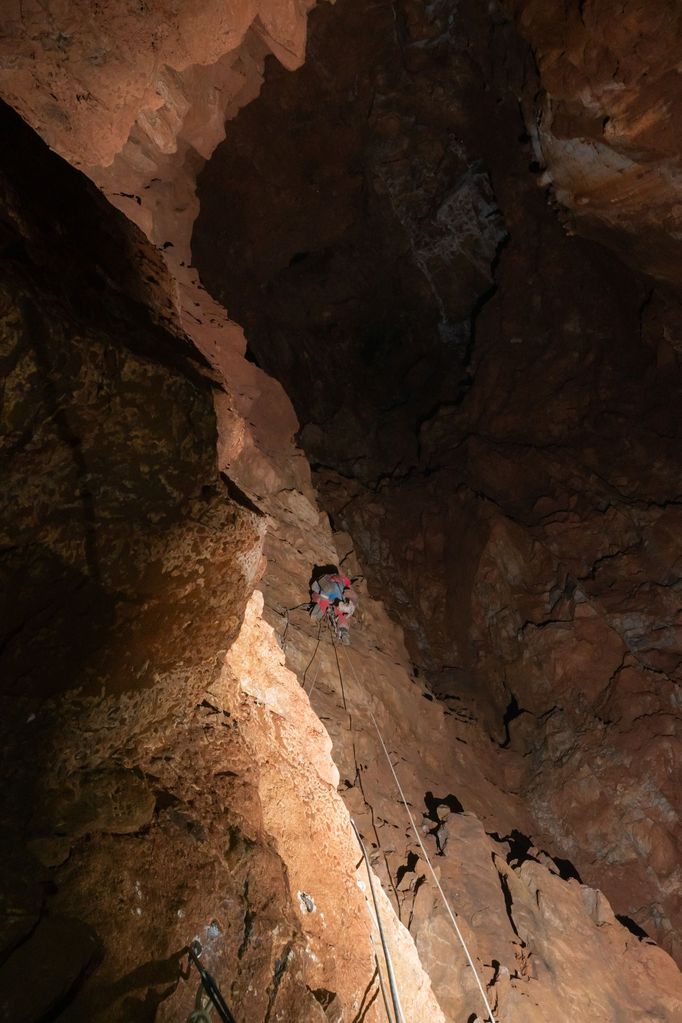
(490, 410)
(605, 119)
(511, 478)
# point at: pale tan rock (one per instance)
(296, 780)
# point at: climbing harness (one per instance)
(330, 618)
(202, 1007)
(395, 997)
(426, 855)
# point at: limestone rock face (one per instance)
(137, 95)
(607, 119)
(391, 239)
(540, 939)
(490, 410)
(511, 481)
(139, 763)
(118, 537)
(64, 949)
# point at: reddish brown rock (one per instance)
(509, 485)
(607, 123)
(504, 478)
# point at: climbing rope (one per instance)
(287, 620)
(312, 684)
(446, 903)
(201, 1008)
(332, 632)
(395, 997)
(283, 638)
(381, 979)
(307, 667)
(426, 855)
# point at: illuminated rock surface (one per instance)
(490, 409)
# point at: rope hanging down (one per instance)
(426, 856)
(395, 997)
(381, 979)
(210, 987)
(319, 637)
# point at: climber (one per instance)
(332, 593)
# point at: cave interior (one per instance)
(394, 290)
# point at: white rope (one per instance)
(309, 664)
(312, 684)
(426, 857)
(395, 997)
(382, 988)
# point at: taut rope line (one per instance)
(426, 856)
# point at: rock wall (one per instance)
(606, 122)
(183, 791)
(117, 534)
(512, 475)
(146, 825)
(146, 772)
(540, 938)
(138, 96)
